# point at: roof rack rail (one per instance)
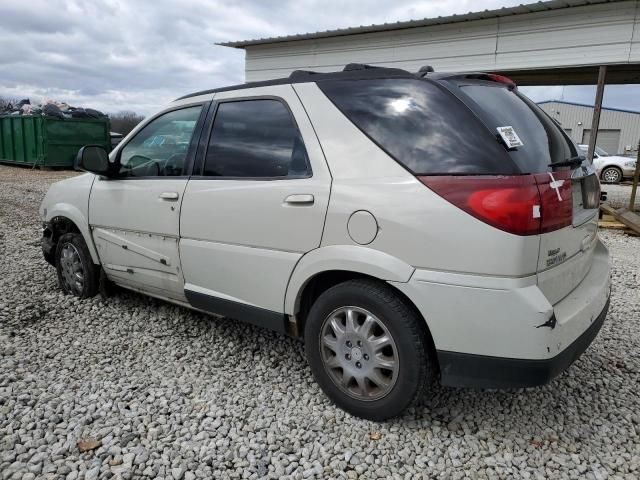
(358, 66)
(301, 74)
(425, 70)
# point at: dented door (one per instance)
(135, 228)
(135, 215)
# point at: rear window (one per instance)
(544, 141)
(421, 125)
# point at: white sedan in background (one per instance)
(611, 168)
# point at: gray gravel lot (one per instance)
(620, 195)
(170, 393)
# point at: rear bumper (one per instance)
(505, 332)
(479, 371)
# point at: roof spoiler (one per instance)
(490, 77)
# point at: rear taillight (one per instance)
(556, 200)
(522, 205)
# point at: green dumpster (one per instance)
(49, 141)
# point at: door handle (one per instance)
(299, 199)
(172, 196)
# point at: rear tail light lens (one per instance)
(521, 205)
(556, 200)
(511, 204)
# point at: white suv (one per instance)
(410, 227)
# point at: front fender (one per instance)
(75, 215)
(352, 258)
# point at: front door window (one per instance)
(160, 148)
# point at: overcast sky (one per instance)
(138, 55)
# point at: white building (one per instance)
(619, 130)
(557, 42)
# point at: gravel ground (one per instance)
(157, 391)
(620, 195)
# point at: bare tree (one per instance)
(124, 122)
(5, 102)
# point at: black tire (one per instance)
(609, 172)
(416, 365)
(75, 243)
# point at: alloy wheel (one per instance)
(72, 269)
(359, 353)
(611, 175)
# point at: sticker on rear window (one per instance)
(510, 137)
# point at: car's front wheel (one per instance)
(77, 275)
(611, 175)
(368, 349)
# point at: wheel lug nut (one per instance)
(349, 344)
(359, 343)
(365, 356)
(347, 356)
(358, 364)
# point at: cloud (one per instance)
(119, 54)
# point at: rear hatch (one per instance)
(568, 185)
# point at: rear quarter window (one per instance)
(421, 125)
(544, 141)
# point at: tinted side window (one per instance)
(421, 125)
(160, 148)
(256, 139)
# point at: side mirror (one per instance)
(94, 159)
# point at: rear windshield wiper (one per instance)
(569, 162)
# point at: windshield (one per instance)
(542, 141)
(598, 151)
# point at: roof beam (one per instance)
(586, 75)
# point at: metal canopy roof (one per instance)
(485, 14)
(581, 75)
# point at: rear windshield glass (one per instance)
(543, 140)
(421, 125)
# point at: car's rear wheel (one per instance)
(611, 175)
(77, 275)
(368, 349)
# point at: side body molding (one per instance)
(352, 258)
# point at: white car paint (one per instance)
(410, 216)
(498, 317)
(253, 235)
(136, 232)
(479, 289)
(70, 199)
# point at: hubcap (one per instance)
(611, 176)
(359, 353)
(72, 269)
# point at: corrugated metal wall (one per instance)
(577, 118)
(582, 35)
